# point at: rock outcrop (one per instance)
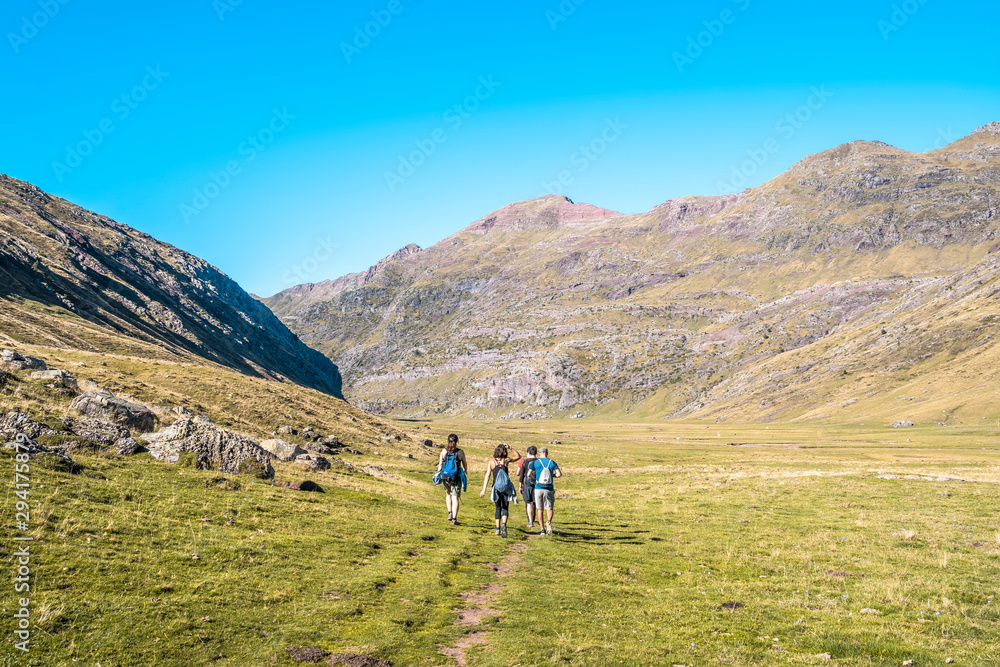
(135, 416)
(213, 447)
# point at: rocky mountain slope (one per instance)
(70, 278)
(862, 283)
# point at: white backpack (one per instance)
(545, 476)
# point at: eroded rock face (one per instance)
(282, 449)
(135, 416)
(215, 448)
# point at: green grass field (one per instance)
(870, 546)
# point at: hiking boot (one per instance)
(548, 527)
(503, 532)
(454, 521)
(496, 532)
(541, 531)
(530, 525)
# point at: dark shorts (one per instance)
(529, 494)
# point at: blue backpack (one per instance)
(501, 482)
(449, 472)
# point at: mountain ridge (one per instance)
(701, 307)
(101, 284)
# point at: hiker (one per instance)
(545, 492)
(526, 475)
(503, 488)
(452, 469)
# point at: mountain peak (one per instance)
(540, 213)
(989, 128)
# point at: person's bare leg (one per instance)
(456, 501)
(531, 513)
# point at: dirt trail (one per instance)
(478, 605)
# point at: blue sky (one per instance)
(283, 144)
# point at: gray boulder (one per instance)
(135, 416)
(312, 462)
(55, 376)
(286, 430)
(309, 434)
(214, 447)
(375, 471)
(128, 446)
(20, 362)
(902, 424)
(282, 449)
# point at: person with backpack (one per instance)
(526, 476)
(545, 491)
(503, 488)
(452, 469)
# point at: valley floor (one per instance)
(675, 544)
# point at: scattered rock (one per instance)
(407, 456)
(353, 451)
(428, 443)
(182, 412)
(374, 471)
(902, 424)
(282, 449)
(330, 441)
(19, 362)
(824, 656)
(312, 462)
(948, 661)
(732, 605)
(309, 434)
(907, 663)
(319, 448)
(286, 430)
(307, 653)
(105, 406)
(841, 573)
(390, 437)
(215, 448)
(301, 486)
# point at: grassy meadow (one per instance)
(832, 545)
